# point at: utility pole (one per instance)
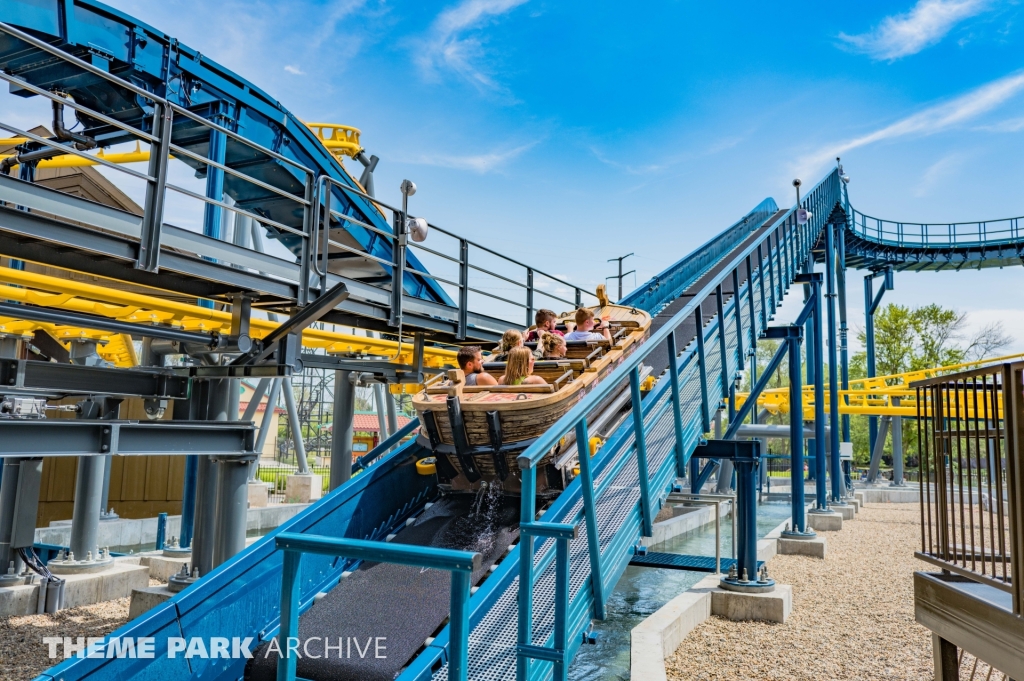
(621, 274)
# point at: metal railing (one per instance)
(938, 235)
(311, 192)
(969, 437)
(657, 292)
(464, 279)
(460, 564)
(769, 264)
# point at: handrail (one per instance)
(460, 563)
(664, 286)
(791, 246)
(532, 454)
(996, 232)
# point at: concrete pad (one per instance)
(259, 494)
(118, 581)
(884, 494)
(847, 512)
(660, 634)
(825, 522)
(815, 548)
(146, 599)
(743, 607)
(303, 488)
(162, 567)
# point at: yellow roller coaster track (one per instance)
(47, 291)
(875, 396)
(340, 140)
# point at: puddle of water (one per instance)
(641, 591)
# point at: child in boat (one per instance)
(519, 369)
(545, 322)
(509, 340)
(584, 328)
(472, 364)
(554, 346)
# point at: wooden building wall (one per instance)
(140, 486)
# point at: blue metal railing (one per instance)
(793, 248)
(460, 563)
(664, 287)
(936, 235)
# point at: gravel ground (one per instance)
(853, 614)
(23, 655)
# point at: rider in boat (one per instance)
(545, 322)
(585, 328)
(472, 364)
(512, 338)
(554, 346)
(519, 369)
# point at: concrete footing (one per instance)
(147, 598)
(815, 548)
(847, 512)
(825, 522)
(162, 567)
(135, 531)
(774, 606)
(885, 494)
(303, 488)
(259, 494)
(660, 635)
(118, 581)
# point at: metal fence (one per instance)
(970, 475)
(276, 478)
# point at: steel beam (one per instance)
(93, 437)
(25, 374)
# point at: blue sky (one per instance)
(567, 133)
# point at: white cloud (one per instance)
(905, 34)
(1009, 125)
(480, 163)
(937, 172)
(452, 45)
(934, 119)
(294, 70)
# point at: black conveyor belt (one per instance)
(687, 331)
(402, 605)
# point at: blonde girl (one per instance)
(519, 369)
(554, 346)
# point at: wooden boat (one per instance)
(476, 432)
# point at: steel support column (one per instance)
(341, 430)
(821, 494)
(871, 303)
(844, 353)
(833, 368)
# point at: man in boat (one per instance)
(544, 322)
(585, 328)
(472, 364)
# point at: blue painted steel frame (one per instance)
(242, 596)
(601, 470)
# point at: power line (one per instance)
(621, 274)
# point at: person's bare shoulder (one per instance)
(486, 379)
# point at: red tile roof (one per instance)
(368, 423)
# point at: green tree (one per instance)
(909, 339)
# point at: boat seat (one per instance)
(546, 388)
(548, 369)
